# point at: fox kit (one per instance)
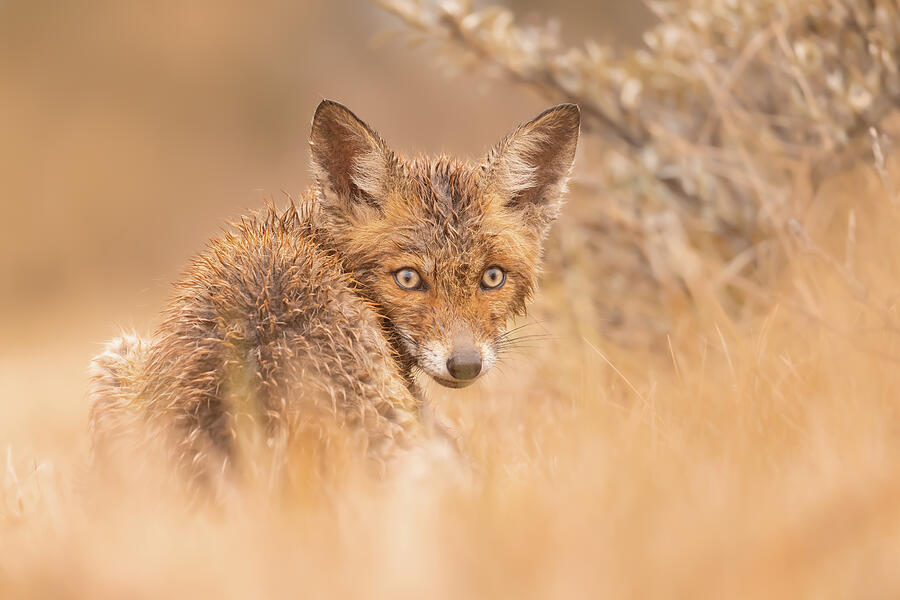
(323, 315)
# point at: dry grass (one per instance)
(750, 457)
(747, 447)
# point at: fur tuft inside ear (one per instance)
(531, 166)
(350, 161)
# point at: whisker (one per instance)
(509, 332)
(537, 336)
(525, 340)
(520, 330)
(524, 325)
(517, 348)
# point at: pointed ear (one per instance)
(351, 162)
(531, 166)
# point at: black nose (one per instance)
(464, 364)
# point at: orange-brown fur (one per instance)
(293, 320)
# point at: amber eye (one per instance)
(493, 278)
(408, 279)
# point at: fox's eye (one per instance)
(493, 278)
(408, 279)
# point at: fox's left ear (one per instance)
(351, 162)
(531, 166)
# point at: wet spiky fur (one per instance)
(292, 321)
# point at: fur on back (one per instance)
(265, 336)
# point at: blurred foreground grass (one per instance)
(751, 457)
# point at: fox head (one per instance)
(447, 251)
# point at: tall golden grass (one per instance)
(746, 447)
(752, 456)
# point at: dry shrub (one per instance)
(701, 145)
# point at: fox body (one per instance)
(324, 315)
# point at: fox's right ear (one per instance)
(351, 162)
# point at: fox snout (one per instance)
(464, 362)
(455, 362)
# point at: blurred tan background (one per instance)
(131, 131)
